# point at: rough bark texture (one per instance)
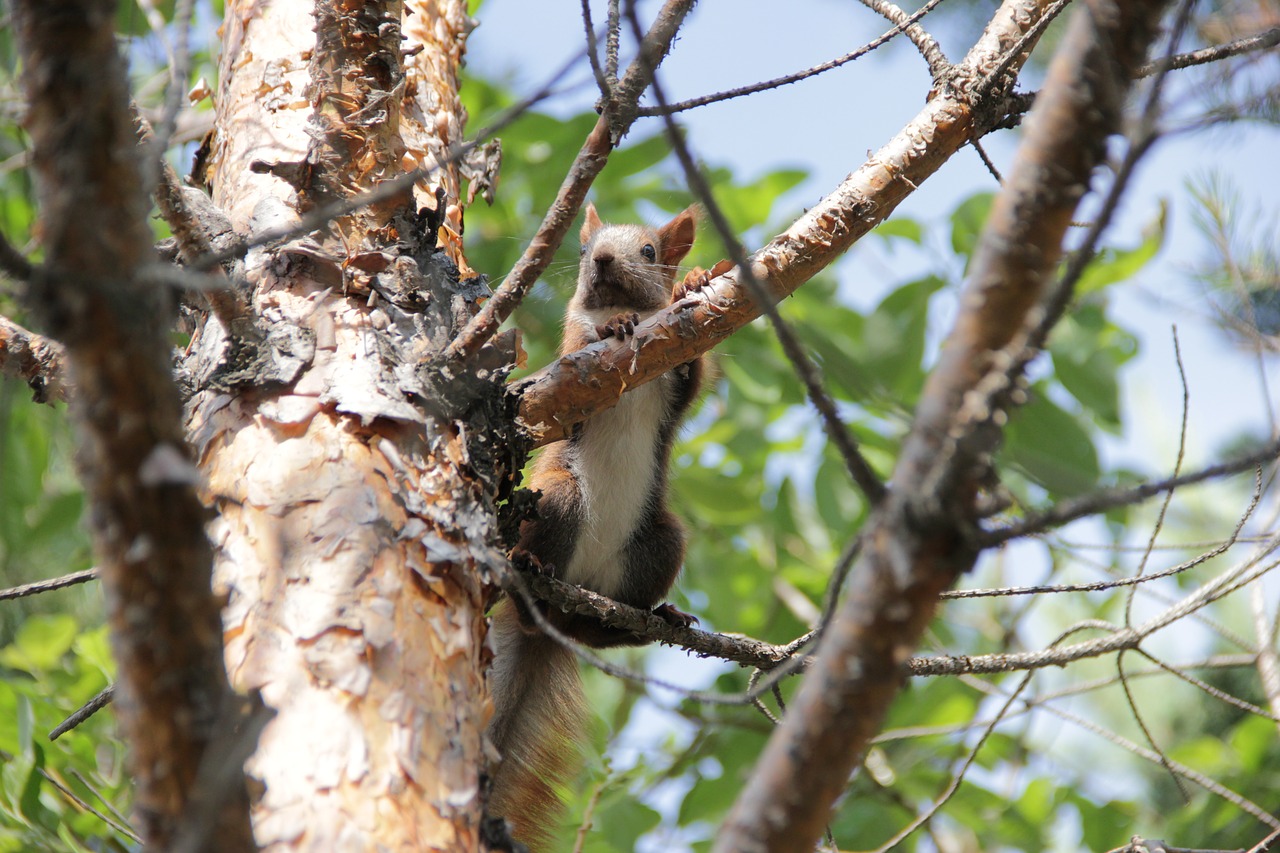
(147, 524)
(353, 534)
(915, 546)
(37, 361)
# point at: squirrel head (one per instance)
(631, 266)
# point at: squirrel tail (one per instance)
(538, 725)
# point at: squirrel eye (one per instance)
(582, 250)
(650, 254)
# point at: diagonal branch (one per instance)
(592, 379)
(616, 120)
(915, 542)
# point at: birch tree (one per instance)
(328, 467)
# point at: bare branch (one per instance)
(101, 700)
(1075, 508)
(616, 120)
(38, 587)
(1262, 41)
(593, 52)
(915, 541)
(146, 521)
(925, 43)
(814, 71)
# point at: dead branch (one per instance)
(38, 587)
(1262, 41)
(915, 541)
(147, 524)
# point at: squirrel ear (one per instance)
(677, 235)
(590, 224)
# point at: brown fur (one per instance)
(614, 467)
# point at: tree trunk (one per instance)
(353, 533)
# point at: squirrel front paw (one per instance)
(620, 326)
(670, 614)
(696, 279)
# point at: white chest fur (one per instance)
(615, 466)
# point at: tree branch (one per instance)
(582, 383)
(1085, 505)
(915, 542)
(788, 79)
(1262, 41)
(925, 43)
(147, 524)
(617, 118)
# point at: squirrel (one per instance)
(602, 521)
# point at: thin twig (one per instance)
(48, 585)
(593, 53)
(986, 161)
(958, 776)
(85, 711)
(741, 91)
(1209, 784)
(1098, 586)
(925, 43)
(1075, 508)
(859, 469)
(1177, 469)
(1248, 44)
(71, 795)
(586, 166)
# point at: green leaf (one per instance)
(1050, 447)
(900, 228)
(41, 642)
(1116, 265)
(623, 820)
(967, 222)
(1088, 352)
(1105, 827)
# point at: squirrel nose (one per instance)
(603, 257)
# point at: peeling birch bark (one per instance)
(353, 537)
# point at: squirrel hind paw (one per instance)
(620, 326)
(669, 613)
